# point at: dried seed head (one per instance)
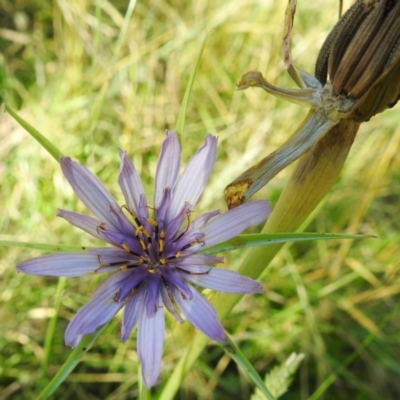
(361, 56)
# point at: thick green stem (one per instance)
(314, 175)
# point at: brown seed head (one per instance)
(361, 57)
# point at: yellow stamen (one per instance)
(125, 247)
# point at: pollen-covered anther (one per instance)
(152, 222)
(161, 245)
(141, 229)
(126, 247)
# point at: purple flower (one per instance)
(156, 253)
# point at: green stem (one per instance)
(314, 175)
(52, 327)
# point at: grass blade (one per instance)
(180, 122)
(53, 150)
(72, 361)
(251, 240)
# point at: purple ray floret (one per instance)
(157, 251)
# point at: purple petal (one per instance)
(136, 277)
(84, 222)
(63, 264)
(112, 254)
(193, 269)
(229, 224)
(174, 224)
(114, 281)
(143, 214)
(201, 314)
(162, 209)
(119, 239)
(173, 277)
(150, 340)
(153, 293)
(194, 178)
(98, 311)
(130, 183)
(167, 167)
(165, 295)
(225, 281)
(202, 220)
(92, 192)
(132, 313)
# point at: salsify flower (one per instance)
(156, 253)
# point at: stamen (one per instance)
(126, 248)
(188, 212)
(194, 273)
(161, 241)
(197, 241)
(152, 222)
(113, 264)
(141, 229)
(170, 295)
(101, 226)
(143, 244)
(134, 217)
(116, 295)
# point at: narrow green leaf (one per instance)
(144, 393)
(51, 329)
(53, 150)
(180, 122)
(234, 352)
(72, 361)
(259, 239)
(124, 28)
(43, 246)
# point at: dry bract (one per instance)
(357, 75)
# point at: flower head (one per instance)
(156, 253)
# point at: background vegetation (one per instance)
(90, 89)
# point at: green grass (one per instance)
(90, 90)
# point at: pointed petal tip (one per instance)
(149, 379)
(259, 288)
(72, 341)
(169, 132)
(221, 338)
(212, 137)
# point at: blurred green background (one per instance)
(71, 73)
